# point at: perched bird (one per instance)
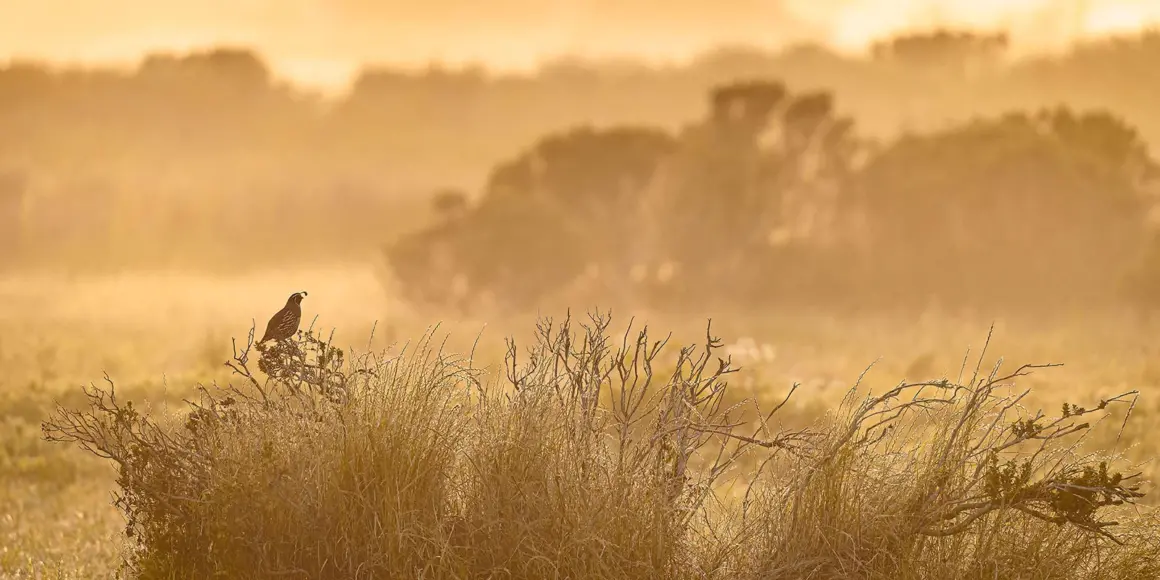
(284, 324)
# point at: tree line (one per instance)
(773, 198)
(185, 158)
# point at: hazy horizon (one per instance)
(321, 43)
(536, 239)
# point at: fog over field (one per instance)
(794, 289)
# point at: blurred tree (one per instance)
(1022, 211)
(944, 52)
(716, 195)
(584, 169)
(239, 68)
(741, 183)
(726, 63)
(198, 133)
(211, 103)
(564, 205)
(679, 217)
(23, 84)
(412, 98)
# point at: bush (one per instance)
(587, 460)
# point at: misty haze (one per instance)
(778, 289)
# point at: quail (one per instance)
(284, 324)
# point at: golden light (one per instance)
(320, 41)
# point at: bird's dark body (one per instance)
(284, 324)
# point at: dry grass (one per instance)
(606, 456)
(493, 510)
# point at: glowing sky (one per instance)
(321, 41)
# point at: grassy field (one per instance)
(157, 336)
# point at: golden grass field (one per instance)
(157, 335)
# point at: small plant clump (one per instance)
(596, 456)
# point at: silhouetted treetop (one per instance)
(746, 103)
(236, 66)
(581, 167)
(209, 136)
(1102, 135)
(955, 51)
(24, 83)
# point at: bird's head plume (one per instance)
(296, 298)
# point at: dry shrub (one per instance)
(322, 470)
(947, 480)
(592, 465)
(595, 457)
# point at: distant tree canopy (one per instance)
(741, 185)
(232, 68)
(954, 52)
(1019, 209)
(188, 156)
(773, 198)
(542, 218)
